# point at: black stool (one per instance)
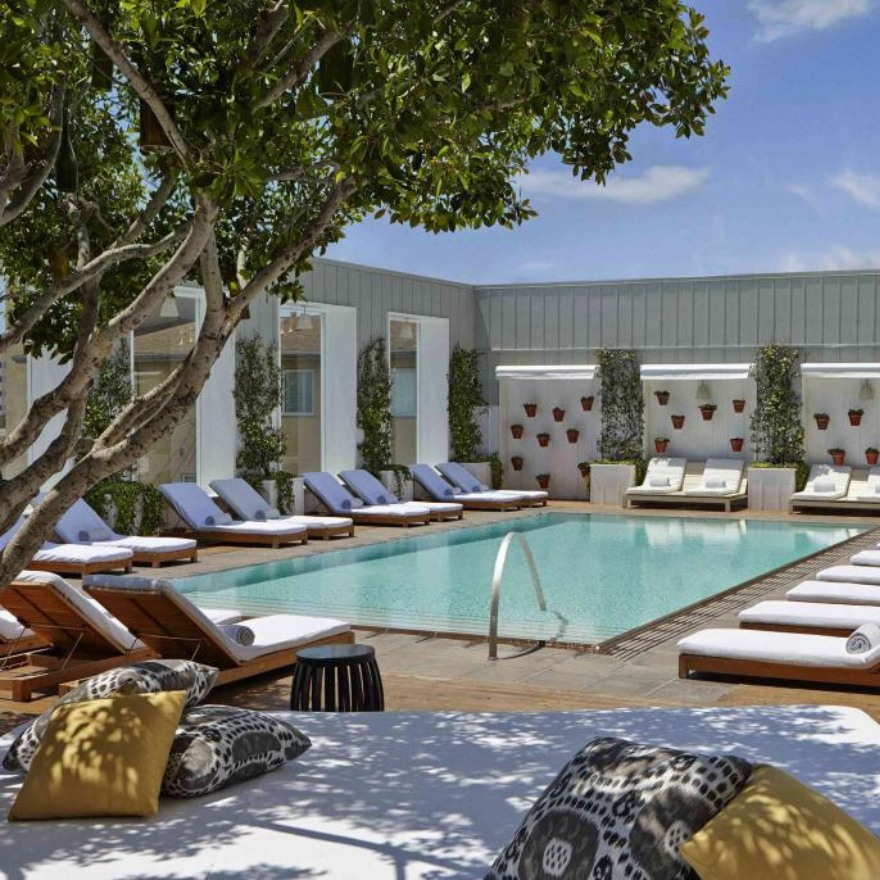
(337, 678)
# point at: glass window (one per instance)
(299, 392)
(403, 392)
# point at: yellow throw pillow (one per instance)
(101, 758)
(777, 828)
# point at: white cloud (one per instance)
(782, 18)
(864, 188)
(838, 258)
(659, 183)
(806, 193)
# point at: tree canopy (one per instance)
(149, 141)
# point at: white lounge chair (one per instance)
(844, 592)
(826, 483)
(820, 618)
(462, 479)
(81, 524)
(247, 503)
(440, 490)
(166, 621)
(856, 574)
(870, 488)
(339, 501)
(663, 477)
(746, 653)
(78, 559)
(721, 480)
(373, 493)
(209, 522)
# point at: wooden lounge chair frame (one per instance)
(512, 504)
(168, 630)
(253, 538)
(843, 631)
(325, 533)
(155, 558)
(74, 647)
(404, 520)
(81, 568)
(737, 668)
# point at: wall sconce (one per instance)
(703, 392)
(866, 392)
(304, 321)
(406, 332)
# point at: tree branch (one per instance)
(157, 201)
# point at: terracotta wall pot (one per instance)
(587, 403)
(871, 458)
(517, 431)
(736, 444)
(822, 422)
(678, 422)
(660, 446)
(517, 462)
(531, 409)
(558, 414)
(855, 420)
(739, 405)
(707, 414)
(572, 434)
(543, 481)
(543, 439)
(838, 457)
(662, 397)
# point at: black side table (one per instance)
(337, 678)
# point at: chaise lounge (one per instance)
(463, 480)
(247, 503)
(339, 501)
(174, 628)
(372, 492)
(664, 478)
(209, 523)
(818, 618)
(826, 486)
(843, 592)
(746, 653)
(440, 490)
(82, 525)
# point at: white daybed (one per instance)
(385, 796)
(663, 478)
(827, 485)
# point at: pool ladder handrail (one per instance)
(497, 575)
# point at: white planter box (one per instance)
(389, 481)
(609, 482)
(269, 491)
(770, 488)
(303, 502)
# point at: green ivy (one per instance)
(138, 506)
(623, 426)
(465, 404)
(109, 394)
(776, 430)
(257, 395)
(402, 476)
(374, 407)
(283, 487)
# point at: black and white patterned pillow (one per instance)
(619, 809)
(146, 677)
(216, 746)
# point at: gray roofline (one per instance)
(379, 270)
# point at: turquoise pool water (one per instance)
(602, 575)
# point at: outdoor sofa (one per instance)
(675, 481)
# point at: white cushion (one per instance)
(79, 554)
(824, 486)
(858, 574)
(657, 482)
(832, 615)
(715, 483)
(835, 591)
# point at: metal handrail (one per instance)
(497, 574)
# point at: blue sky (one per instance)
(787, 177)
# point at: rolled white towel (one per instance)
(239, 633)
(866, 637)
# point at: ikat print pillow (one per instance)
(217, 746)
(619, 809)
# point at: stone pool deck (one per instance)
(424, 671)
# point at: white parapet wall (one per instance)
(609, 482)
(770, 488)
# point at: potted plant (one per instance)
(736, 444)
(837, 454)
(543, 439)
(572, 434)
(871, 455)
(678, 422)
(822, 420)
(708, 410)
(587, 403)
(855, 417)
(660, 444)
(517, 462)
(531, 409)
(558, 413)
(517, 431)
(739, 405)
(662, 397)
(584, 468)
(543, 480)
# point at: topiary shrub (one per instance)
(777, 433)
(374, 407)
(465, 403)
(623, 425)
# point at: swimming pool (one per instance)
(602, 575)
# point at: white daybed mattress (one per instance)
(425, 795)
